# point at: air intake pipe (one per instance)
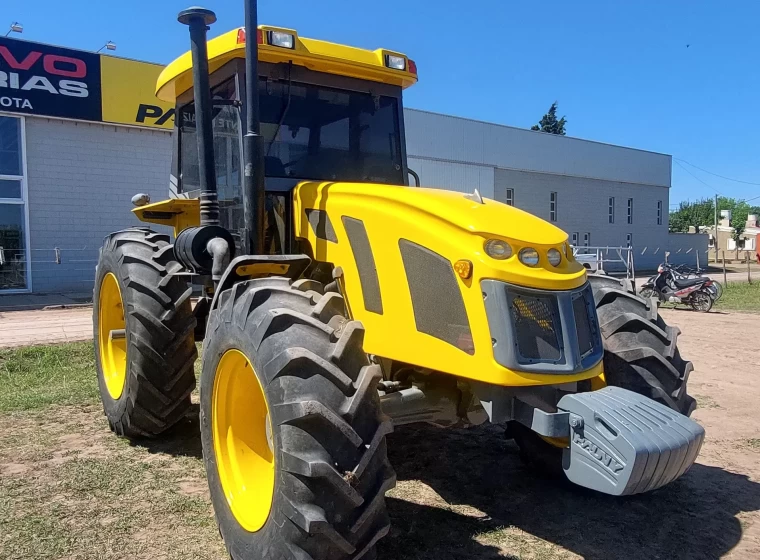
(209, 247)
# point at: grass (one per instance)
(740, 296)
(39, 376)
(70, 489)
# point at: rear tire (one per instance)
(701, 301)
(158, 325)
(328, 432)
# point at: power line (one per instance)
(697, 178)
(716, 174)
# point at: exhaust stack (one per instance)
(253, 154)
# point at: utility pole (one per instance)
(715, 242)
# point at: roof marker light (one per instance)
(412, 66)
(241, 36)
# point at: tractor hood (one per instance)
(412, 267)
(452, 224)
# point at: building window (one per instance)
(511, 197)
(553, 207)
(14, 261)
(629, 240)
(630, 210)
(659, 212)
(587, 239)
(574, 238)
(612, 210)
(711, 242)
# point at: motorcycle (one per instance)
(698, 292)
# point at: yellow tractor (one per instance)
(335, 301)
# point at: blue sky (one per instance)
(621, 71)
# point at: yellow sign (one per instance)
(129, 94)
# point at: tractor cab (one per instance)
(328, 112)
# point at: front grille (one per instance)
(543, 331)
(583, 324)
(536, 323)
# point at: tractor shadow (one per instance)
(694, 517)
(182, 440)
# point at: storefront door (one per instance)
(14, 250)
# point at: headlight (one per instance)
(554, 257)
(395, 62)
(529, 256)
(280, 39)
(498, 249)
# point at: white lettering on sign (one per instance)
(39, 82)
(72, 88)
(17, 102)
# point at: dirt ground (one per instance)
(69, 489)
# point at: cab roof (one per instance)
(321, 56)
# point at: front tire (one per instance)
(318, 412)
(143, 333)
(640, 349)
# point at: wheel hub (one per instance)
(242, 434)
(112, 340)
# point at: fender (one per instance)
(179, 213)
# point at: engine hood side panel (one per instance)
(397, 247)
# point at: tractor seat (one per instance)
(686, 282)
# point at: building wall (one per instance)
(81, 177)
(582, 207)
(454, 176)
(443, 137)
(684, 248)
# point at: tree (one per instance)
(739, 212)
(702, 213)
(694, 214)
(549, 122)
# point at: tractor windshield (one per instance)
(310, 132)
(316, 132)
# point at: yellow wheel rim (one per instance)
(242, 434)
(112, 340)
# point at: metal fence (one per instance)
(615, 260)
(54, 270)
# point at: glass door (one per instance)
(14, 250)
